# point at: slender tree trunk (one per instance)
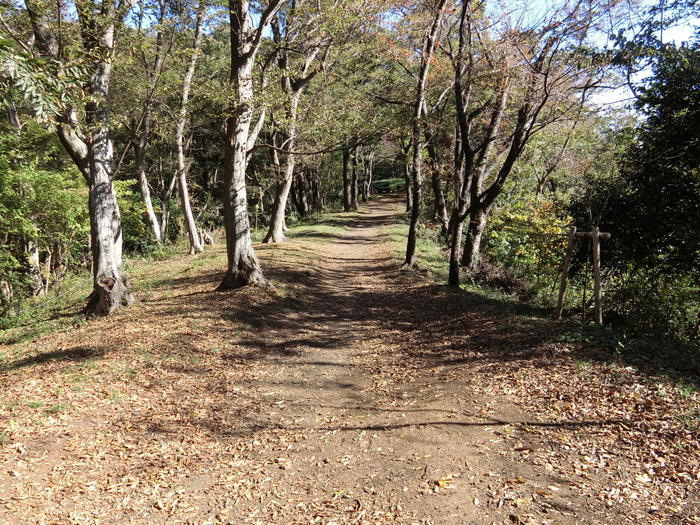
(144, 190)
(347, 183)
(141, 134)
(363, 182)
(353, 182)
(165, 197)
(370, 174)
(33, 260)
(302, 200)
(294, 194)
(409, 188)
(195, 240)
(275, 232)
(440, 204)
(316, 191)
(440, 211)
(417, 204)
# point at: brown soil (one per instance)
(353, 393)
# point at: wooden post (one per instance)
(595, 234)
(565, 273)
(595, 247)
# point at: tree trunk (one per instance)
(455, 248)
(440, 211)
(93, 154)
(195, 240)
(369, 176)
(440, 205)
(407, 178)
(475, 232)
(243, 265)
(316, 191)
(141, 133)
(165, 197)
(353, 182)
(302, 200)
(275, 232)
(416, 205)
(144, 190)
(33, 260)
(347, 183)
(111, 289)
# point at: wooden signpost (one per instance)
(595, 235)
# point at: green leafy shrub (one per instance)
(529, 239)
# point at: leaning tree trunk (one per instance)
(275, 232)
(195, 239)
(145, 191)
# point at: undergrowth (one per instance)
(664, 359)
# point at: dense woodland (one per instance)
(131, 125)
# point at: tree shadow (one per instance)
(71, 355)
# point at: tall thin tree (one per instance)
(416, 130)
(243, 265)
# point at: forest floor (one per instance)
(352, 392)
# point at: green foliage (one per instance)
(42, 201)
(136, 234)
(43, 84)
(655, 304)
(388, 185)
(528, 236)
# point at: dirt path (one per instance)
(390, 450)
(354, 393)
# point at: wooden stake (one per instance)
(565, 273)
(595, 247)
(595, 234)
